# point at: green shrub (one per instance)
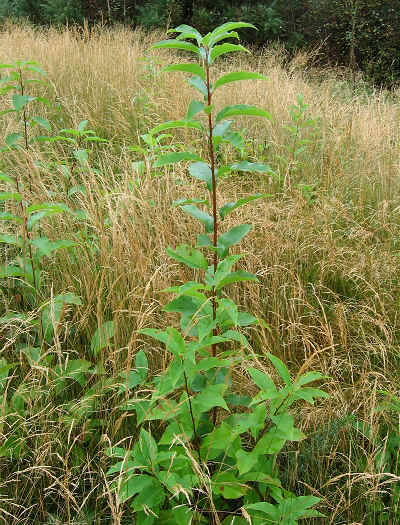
(60, 12)
(159, 13)
(361, 34)
(203, 452)
(19, 9)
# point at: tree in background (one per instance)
(362, 34)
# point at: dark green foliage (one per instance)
(159, 13)
(264, 15)
(362, 34)
(19, 9)
(61, 12)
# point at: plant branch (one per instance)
(196, 437)
(24, 117)
(213, 193)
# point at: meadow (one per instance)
(324, 246)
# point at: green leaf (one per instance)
(134, 379)
(266, 508)
(242, 109)
(176, 44)
(141, 364)
(170, 337)
(263, 381)
(6, 178)
(230, 206)
(195, 69)
(148, 447)
(186, 304)
(194, 108)
(233, 335)
(6, 216)
(53, 310)
(189, 288)
(139, 167)
(19, 101)
(281, 368)
(5, 111)
(82, 125)
(132, 486)
(236, 277)
(200, 215)
(203, 241)
(224, 36)
(252, 167)
(308, 377)
(245, 461)
(73, 369)
(199, 84)
(272, 442)
(285, 424)
(47, 247)
(7, 271)
(39, 211)
(81, 156)
(184, 28)
(289, 510)
(209, 398)
(227, 485)
(36, 69)
(239, 75)
(189, 256)
(56, 207)
(102, 337)
(229, 26)
(201, 171)
(228, 307)
(208, 363)
(179, 515)
(222, 49)
(150, 496)
(183, 201)
(309, 394)
(10, 239)
(177, 124)
(42, 122)
(220, 129)
(233, 236)
(223, 269)
(12, 139)
(79, 189)
(10, 196)
(184, 427)
(172, 158)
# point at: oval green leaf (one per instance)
(200, 215)
(195, 69)
(176, 44)
(172, 158)
(176, 124)
(201, 171)
(238, 75)
(242, 109)
(222, 49)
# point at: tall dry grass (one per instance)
(329, 287)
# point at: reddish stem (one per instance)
(213, 195)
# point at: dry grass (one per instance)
(329, 288)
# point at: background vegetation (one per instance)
(362, 34)
(325, 247)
